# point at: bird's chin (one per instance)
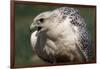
(39, 30)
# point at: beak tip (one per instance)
(31, 26)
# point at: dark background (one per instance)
(24, 15)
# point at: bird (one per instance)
(61, 36)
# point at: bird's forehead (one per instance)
(60, 12)
(43, 15)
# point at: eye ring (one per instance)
(41, 20)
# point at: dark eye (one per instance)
(41, 20)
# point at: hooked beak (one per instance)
(34, 27)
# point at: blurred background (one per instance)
(24, 14)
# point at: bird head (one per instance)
(57, 21)
(47, 20)
(41, 22)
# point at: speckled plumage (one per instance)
(63, 36)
